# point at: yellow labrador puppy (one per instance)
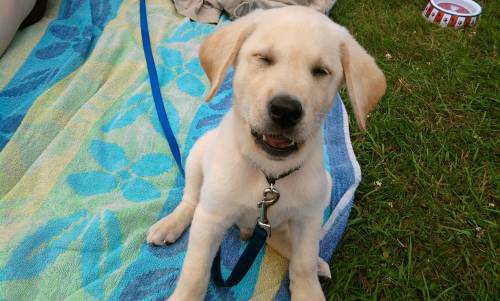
(289, 63)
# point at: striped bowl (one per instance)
(452, 13)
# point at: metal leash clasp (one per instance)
(271, 196)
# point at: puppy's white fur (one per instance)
(274, 51)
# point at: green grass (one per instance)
(425, 225)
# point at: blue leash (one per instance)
(245, 261)
(155, 88)
(260, 233)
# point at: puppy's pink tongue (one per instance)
(277, 141)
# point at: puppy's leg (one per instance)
(169, 228)
(205, 237)
(280, 242)
(304, 236)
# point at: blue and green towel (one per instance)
(85, 168)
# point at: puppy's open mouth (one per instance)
(275, 144)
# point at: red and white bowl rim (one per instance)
(476, 8)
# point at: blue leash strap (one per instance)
(155, 88)
(245, 261)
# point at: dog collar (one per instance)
(272, 180)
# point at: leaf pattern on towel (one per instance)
(100, 252)
(97, 238)
(64, 32)
(138, 105)
(100, 11)
(210, 115)
(41, 248)
(10, 124)
(69, 8)
(187, 75)
(154, 284)
(30, 82)
(67, 43)
(70, 36)
(118, 172)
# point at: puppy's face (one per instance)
(286, 75)
(289, 63)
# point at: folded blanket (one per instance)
(85, 168)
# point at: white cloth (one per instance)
(209, 11)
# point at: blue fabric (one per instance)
(65, 46)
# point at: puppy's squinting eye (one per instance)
(265, 59)
(320, 71)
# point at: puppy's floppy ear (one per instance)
(365, 81)
(219, 50)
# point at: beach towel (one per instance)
(85, 168)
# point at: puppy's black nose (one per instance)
(285, 110)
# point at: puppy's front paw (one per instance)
(194, 294)
(312, 293)
(306, 289)
(177, 298)
(169, 228)
(164, 231)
